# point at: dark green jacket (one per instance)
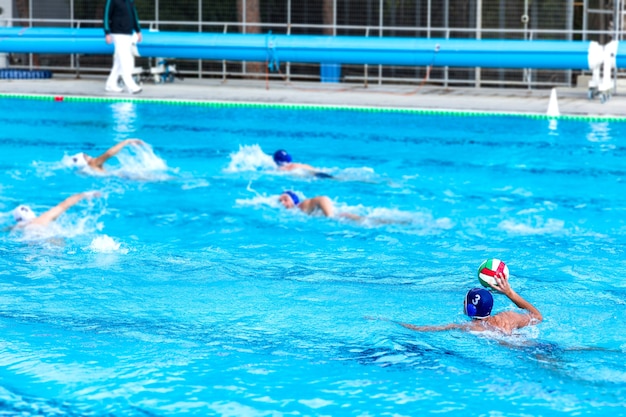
(120, 17)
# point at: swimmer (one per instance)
(284, 162)
(82, 160)
(24, 216)
(478, 304)
(290, 200)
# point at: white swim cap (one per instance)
(23, 214)
(79, 160)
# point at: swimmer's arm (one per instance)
(322, 202)
(326, 206)
(502, 285)
(112, 151)
(60, 208)
(442, 328)
(351, 216)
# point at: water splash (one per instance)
(140, 162)
(259, 200)
(250, 158)
(105, 244)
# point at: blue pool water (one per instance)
(186, 289)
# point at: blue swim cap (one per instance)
(478, 303)
(281, 157)
(293, 196)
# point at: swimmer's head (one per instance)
(80, 160)
(478, 303)
(23, 214)
(289, 199)
(281, 157)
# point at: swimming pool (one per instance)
(187, 290)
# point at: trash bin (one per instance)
(330, 73)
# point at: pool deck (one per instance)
(571, 101)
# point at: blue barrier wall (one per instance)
(540, 54)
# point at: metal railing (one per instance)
(83, 65)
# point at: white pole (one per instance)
(617, 26)
(380, 34)
(30, 24)
(585, 7)
(446, 24)
(525, 20)
(244, 5)
(527, 71)
(334, 17)
(479, 35)
(200, 30)
(428, 17)
(288, 33)
(73, 56)
(479, 19)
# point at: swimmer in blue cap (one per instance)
(290, 200)
(282, 158)
(24, 216)
(82, 160)
(478, 304)
(285, 163)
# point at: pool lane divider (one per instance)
(320, 107)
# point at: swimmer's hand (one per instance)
(92, 194)
(502, 284)
(376, 318)
(351, 216)
(135, 142)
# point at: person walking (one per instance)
(120, 22)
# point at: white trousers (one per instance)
(123, 63)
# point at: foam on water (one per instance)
(259, 201)
(365, 174)
(141, 158)
(250, 158)
(105, 244)
(535, 226)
